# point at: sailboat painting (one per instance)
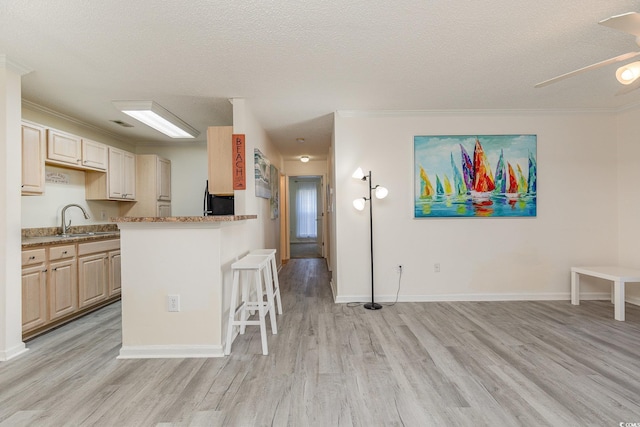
(493, 176)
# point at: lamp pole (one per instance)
(372, 305)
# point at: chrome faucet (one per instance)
(64, 221)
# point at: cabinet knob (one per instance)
(32, 257)
(79, 160)
(44, 271)
(55, 269)
(64, 253)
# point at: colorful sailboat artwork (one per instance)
(475, 190)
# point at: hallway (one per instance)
(412, 364)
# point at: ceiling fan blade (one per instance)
(629, 88)
(627, 22)
(619, 58)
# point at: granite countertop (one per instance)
(212, 218)
(34, 237)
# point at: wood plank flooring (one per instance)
(411, 364)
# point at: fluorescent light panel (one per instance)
(154, 115)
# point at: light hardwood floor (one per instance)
(411, 364)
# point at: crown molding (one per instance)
(39, 108)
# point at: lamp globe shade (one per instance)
(359, 204)
(381, 192)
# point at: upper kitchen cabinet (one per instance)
(119, 183)
(153, 188)
(33, 154)
(94, 155)
(220, 151)
(67, 150)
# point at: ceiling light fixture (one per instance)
(627, 74)
(154, 115)
(304, 159)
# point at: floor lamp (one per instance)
(359, 204)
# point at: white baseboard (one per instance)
(549, 296)
(170, 351)
(333, 290)
(13, 352)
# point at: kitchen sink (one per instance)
(89, 233)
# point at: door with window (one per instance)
(306, 217)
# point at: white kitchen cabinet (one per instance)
(153, 188)
(33, 155)
(119, 183)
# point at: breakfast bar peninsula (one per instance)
(176, 280)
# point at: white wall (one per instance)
(266, 231)
(11, 344)
(480, 258)
(188, 175)
(628, 179)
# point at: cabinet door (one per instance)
(92, 279)
(163, 209)
(129, 175)
(114, 273)
(62, 289)
(33, 152)
(116, 162)
(163, 179)
(34, 297)
(94, 154)
(220, 156)
(64, 148)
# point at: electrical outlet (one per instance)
(103, 215)
(436, 267)
(173, 303)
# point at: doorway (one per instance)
(306, 212)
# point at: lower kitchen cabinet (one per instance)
(62, 282)
(92, 279)
(34, 297)
(114, 273)
(34, 289)
(63, 288)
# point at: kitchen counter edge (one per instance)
(213, 218)
(34, 242)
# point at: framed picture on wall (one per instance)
(475, 176)
(262, 171)
(274, 201)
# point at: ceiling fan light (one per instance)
(627, 74)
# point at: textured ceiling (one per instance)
(297, 62)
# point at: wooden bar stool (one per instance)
(271, 253)
(256, 266)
